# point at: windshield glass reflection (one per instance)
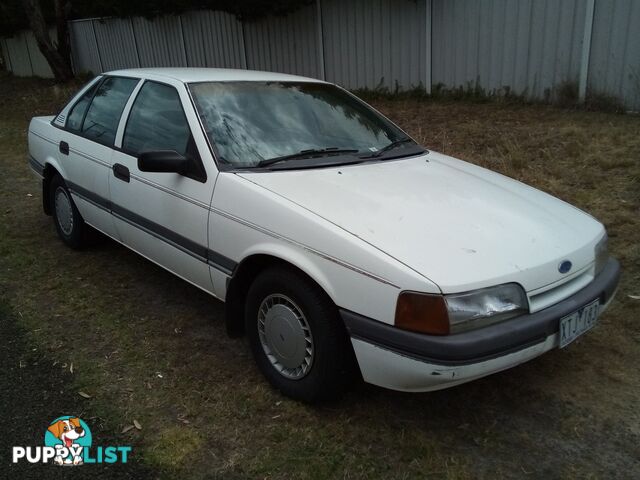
(253, 121)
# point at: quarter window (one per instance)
(74, 119)
(103, 115)
(157, 122)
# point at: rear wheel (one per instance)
(69, 223)
(296, 336)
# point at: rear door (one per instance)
(163, 216)
(86, 148)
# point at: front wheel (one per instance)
(297, 338)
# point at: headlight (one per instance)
(486, 306)
(444, 314)
(602, 253)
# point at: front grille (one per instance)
(556, 292)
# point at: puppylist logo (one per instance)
(68, 441)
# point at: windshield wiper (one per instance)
(391, 146)
(305, 154)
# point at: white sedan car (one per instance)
(339, 244)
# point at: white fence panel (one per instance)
(159, 42)
(285, 44)
(116, 44)
(525, 46)
(84, 47)
(377, 42)
(614, 64)
(19, 55)
(213, 39)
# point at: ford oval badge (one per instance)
(564, 266)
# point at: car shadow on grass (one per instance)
(34, 393)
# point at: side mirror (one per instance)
(166, 161)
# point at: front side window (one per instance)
(250, 122)
(157, 122)
(103, 115)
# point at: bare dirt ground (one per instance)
(147, 346)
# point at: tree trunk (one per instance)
(62, 11)
(59, 59)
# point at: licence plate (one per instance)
(578, 322)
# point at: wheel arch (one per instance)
(243, 275)
(48, 173)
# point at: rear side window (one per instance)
(103, 115)
(74, 119)
(157, 122)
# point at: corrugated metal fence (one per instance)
(22, 55)
(528, 47)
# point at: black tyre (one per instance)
(69, 223)
(297, 338)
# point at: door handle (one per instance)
(64, 148)
(121, 172)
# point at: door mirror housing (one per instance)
(167, 161)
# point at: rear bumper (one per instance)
(402, 360)
(36, 167)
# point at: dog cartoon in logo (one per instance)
(68, 431)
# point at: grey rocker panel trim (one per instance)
(200, 252)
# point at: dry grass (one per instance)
(147, 346)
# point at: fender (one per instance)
(52, 162)
(255, 259)
(297, 257)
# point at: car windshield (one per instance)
(255, 123)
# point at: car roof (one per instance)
(193, 75)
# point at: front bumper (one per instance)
(409, 361)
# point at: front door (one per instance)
(162, 216)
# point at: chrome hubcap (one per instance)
(285, 336)
(64, 212)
